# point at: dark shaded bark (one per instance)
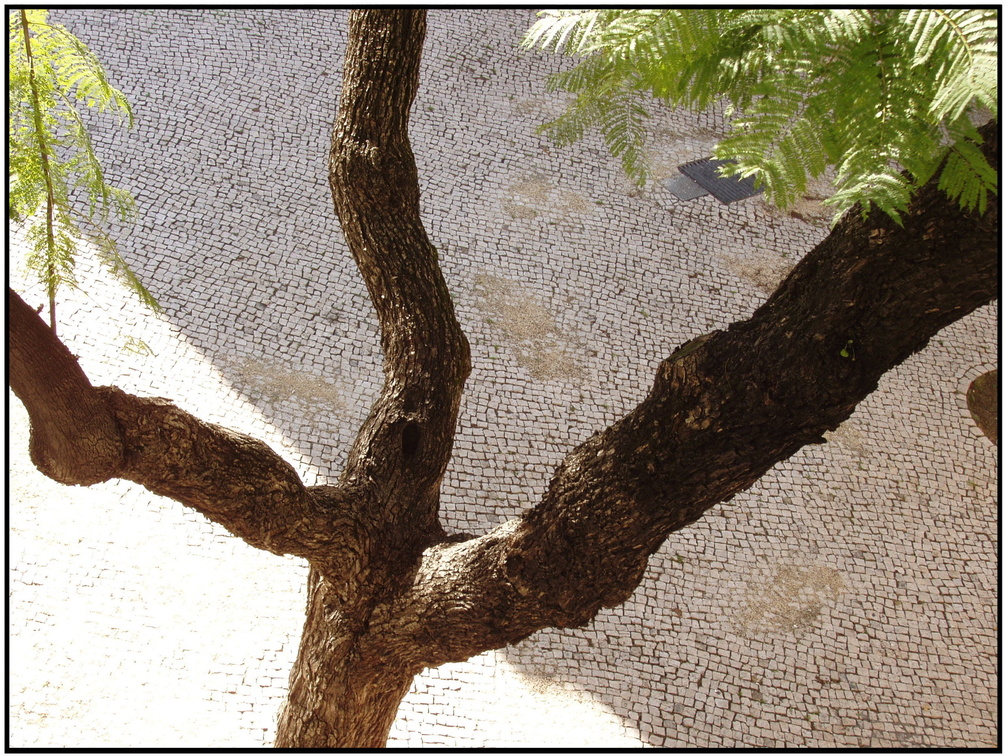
(724, 408)
(389, 593)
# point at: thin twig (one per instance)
(50, 194)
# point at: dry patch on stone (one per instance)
(849, 436)
(539, 344)
(765, 272)
(791, 601)
(536, 195)
(277, 383)
(810, 208)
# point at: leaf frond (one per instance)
(867, 93)
(50, 74)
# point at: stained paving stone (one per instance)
(848, 599)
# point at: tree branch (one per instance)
(74, 439)
(723, 409)
(385, 511)
(81, 435)
(404, 445)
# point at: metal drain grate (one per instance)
(705, 173)
(683, 188)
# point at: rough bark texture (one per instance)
(389, 593)
(724, 408)
(344, 691)
(74, 439)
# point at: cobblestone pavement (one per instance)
(847, 599)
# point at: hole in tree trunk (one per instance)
(409, 440)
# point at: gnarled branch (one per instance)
(81, 435)
(403, 447)
(722, 411)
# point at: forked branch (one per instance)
(403, 447)
(722, 411)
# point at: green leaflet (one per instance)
(51, 157)
(867, 93)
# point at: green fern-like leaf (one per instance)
(623, 126)
(51, 156)
(963, 44)
(967, 177)
(51, 250)
(562, 30)
(868, 93)
(108, 255)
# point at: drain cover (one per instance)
(705, 173)
(683, 188)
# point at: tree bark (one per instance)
(345, 694)
(389, 593)
(402, 449)
(74, 439)
(339, 694)
(82, 434)
(723, 409)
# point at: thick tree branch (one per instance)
(724, 409)
(403, 447)
(74, 439)
(338, 697)
(342, 694)
(81, 435)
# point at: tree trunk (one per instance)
(389, 593)
(338, 694)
